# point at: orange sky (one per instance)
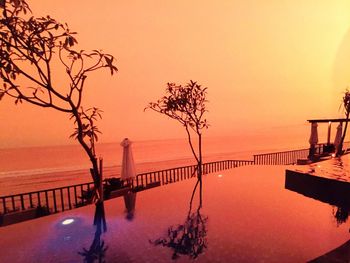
(266, 64)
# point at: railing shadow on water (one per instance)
(189, 238)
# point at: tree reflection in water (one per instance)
(97, 250)
(333, 189)
(189, 238)
(341, 214)
(341, 211)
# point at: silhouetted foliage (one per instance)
(189, 238)
(32, 51)
(346, 106)
(186, 104)
(89, 129)
(96, 252)
(341, 215)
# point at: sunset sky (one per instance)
(267, 64)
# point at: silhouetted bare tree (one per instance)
(346, 106)
(186, 104)
(33, 52)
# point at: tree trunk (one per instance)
(200, 172)
(340, 148)
(94, 171)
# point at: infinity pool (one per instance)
(247, 216)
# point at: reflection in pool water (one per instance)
(130, 203)
(97, 250)
(341, 214)
(189, 238)
(329, 182)
(252, 218)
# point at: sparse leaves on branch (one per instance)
(346, 102)
(186, 104)
(31, 48)
(89, 129)
(346, 106)
(28, 46)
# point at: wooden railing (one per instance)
(277, 158)
(291, 157)
(213, 167)
(165, 176)
(47, 201)
(185, 172)
(65, 198)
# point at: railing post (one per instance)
(69, 199)
(22, 202)
(13, 203)
(54, 201)
(31, 200)
(75, 195)
(62, 201)
(39, 200)
(4, 204)
(47, 199)
(158, 176)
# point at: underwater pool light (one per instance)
(67, 221)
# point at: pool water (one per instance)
(247, 216)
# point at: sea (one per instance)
(37, 168)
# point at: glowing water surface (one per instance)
(251, 217)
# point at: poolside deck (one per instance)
(327, 181)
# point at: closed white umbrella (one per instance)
(128, 166)
(338, 136)
(314, 135)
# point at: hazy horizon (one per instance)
(266, 65)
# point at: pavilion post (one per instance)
(329, 133)
(328, 147)
(313, 141)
